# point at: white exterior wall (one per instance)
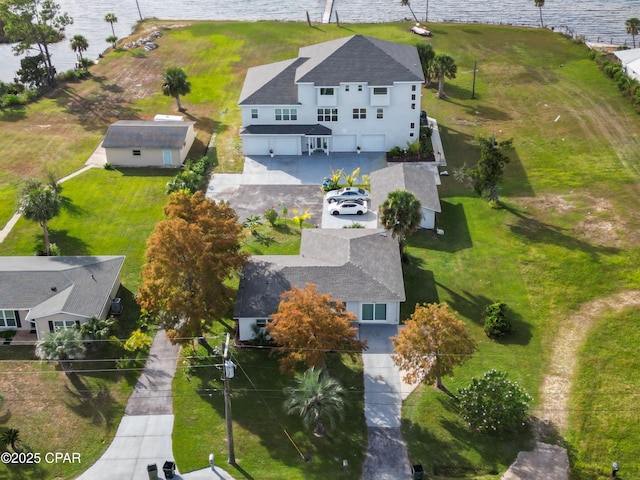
(42, 324)
(395, 124)
(24, 325)
(428, 219)
(393, 312)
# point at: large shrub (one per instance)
(496, 323)
(493, 403)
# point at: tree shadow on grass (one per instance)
(13, 114)
(533, 230)
(257, 399)
(495, 449)
(467, 304)
(456, 231)
(97, 404)
(68, 244)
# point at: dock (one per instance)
(326, 16)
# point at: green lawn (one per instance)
(567, 232)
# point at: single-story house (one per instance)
(630, 60)
(44, 294)
(351, 94)
(421, 179)
(139, 143)
(360, 267)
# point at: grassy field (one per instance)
(568, 231)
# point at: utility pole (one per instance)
(139, 12)
(227, 373)
(473, 89)
(426, 17)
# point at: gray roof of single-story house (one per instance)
(627, 56)
(170, 134)
(359, 265)
(315, 130)
(354, 59)
(416, 178)
(48, 285)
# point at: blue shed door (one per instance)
(166, 157)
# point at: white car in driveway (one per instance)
(348, 207)
(347, 193)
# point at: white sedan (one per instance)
(347, 193)
(348, 207)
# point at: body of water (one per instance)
(595, 20)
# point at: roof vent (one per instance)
(54, 289)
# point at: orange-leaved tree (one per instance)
(431, 344)
(308, 325)
(190, 255)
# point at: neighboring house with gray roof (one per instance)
(336, 96)
(421, 179)
(360, 267)
(44, 294)
(138, 143)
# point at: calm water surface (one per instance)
(596, 20)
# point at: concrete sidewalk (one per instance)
(144, 435)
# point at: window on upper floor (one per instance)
(286, 114)
(380, 113)
(346, 88)
(254, 113)
(359, 88)
(137, 153)
(380, 90)
(413, 88)
(327, 114)
(359, 113)
(413, 97)
(8, 318)
(327, 91)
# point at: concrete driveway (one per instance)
(294, 180)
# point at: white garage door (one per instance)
(373, 143)
(287, 146)
(344, 143)
(255, 145)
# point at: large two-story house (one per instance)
(353, 94)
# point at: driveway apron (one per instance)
(386, 457)
(144, 435)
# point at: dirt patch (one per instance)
(573, 331)
(600, 223)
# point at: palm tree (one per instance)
(316, 397)
(112, 39)
(401, 214)
(426, 54)
(11, 436)
(441, 66)
(407, 3)
(633, 28)
(111, 18)
(97, 329)
(40, 203)
(540, 4)
(79, 44)
(175, 84)
(62, 345)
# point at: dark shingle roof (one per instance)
(413, 177)
(359, 59)
(49, 285)
(349, 59)
(286, 129)
(271, 84)
(146, 134)
(350, 264)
